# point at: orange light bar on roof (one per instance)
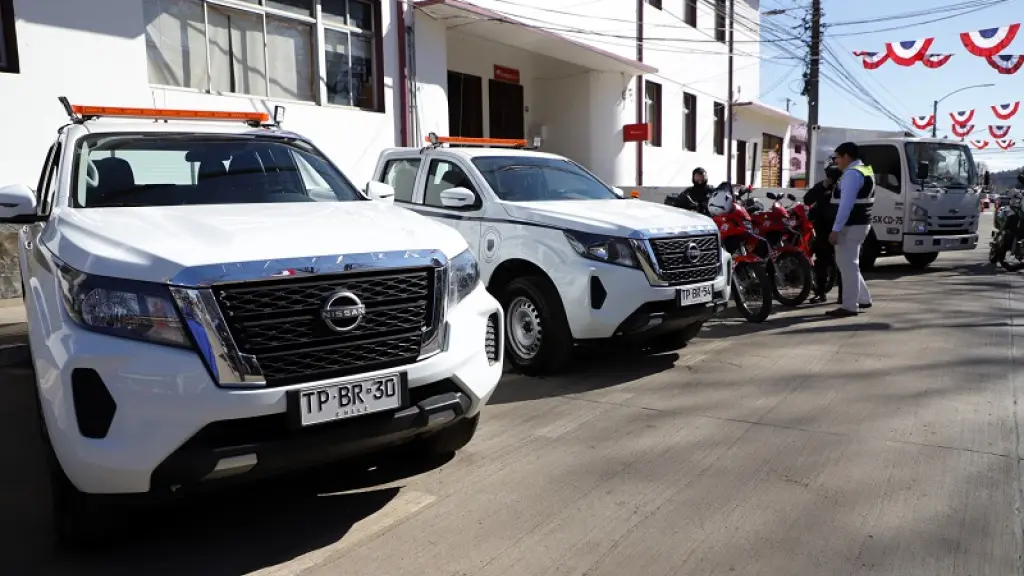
(478, 141)
(163, 113)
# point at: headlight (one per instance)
(918, 212)
(606, 249)
(124, 308)
(919, 226)
(463, 276)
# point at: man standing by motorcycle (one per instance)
(819, 198)
(853, 199)
(696, 197)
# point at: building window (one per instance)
(798, 149)
(8, 39)
(655, 3)
(690, 12)
(720, 22)
(719, 128)
(267, 48)
(689, 122)
(652, 92)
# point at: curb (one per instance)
(14, 355)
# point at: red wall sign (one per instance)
(636, 133)
(506, 74)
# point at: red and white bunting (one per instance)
(923, 122)
(979, 144)
(999, 132)
(871, 60)
(989, 41)
(1006, 63)
(1005, 111)
(962, 118)
(1005, 144)
(909, 52)
(962, 131)
(935, 60)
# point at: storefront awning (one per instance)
(497, 27)
(767, 111)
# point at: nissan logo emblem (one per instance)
(342, 311)
(693, 252)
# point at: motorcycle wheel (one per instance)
(791, 270)
(751, 291)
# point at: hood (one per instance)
(612, 217)
(155, 243)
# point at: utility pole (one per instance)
(788, 102)
(728, 107)
(812, 86)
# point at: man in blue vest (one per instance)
(852, 199)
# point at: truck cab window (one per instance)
(885, 161)
(400, 174)
(442, 176)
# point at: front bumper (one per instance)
(602, 299)
(165, 400)
(922, 243)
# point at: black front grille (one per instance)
(675, 264)
(279, 322)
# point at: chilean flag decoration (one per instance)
(935, 60)
(909, 52)
(990, 41)
(1005, 111)
(923, 122)
(962, 118)
(871, 60)
(962, 131)
(979, 144)
(999, 132)
(1005, 144)
(1006, 63)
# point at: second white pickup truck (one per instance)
(569, 258)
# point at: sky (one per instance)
(905, 91)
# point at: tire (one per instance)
(451, 439)
(802, 276)
(833, 278)
(869, 252)
(921, 261)
(760, 307)
(537, 336)
(672, 341)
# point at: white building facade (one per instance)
(356, 81)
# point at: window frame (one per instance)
(690, 12)
(318, 28)
(653, 103)
(689, 122)
(9, 63)
(721, 20)
(719, 116)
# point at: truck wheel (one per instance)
(451, 439)
(672, 341)
(538, 340)
(921, 261)
(869, 252)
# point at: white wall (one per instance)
(94, 52)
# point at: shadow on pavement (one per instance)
(227, 532)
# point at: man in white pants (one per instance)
(852, 199)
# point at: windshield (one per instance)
(118, 170)
(949, 165)
(531, 179)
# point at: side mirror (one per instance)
(791, 197)
(458, 198)
(922, 171)
(17, 205)
(619, 192)
(772, 196)
(380, 191)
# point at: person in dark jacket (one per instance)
(696, 197)
(822, 215)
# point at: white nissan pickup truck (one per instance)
(213, 300)
(569, 258)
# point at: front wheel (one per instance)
(751, 290)
(921, 261)
(792, 280)
(538, 340)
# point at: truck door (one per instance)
(441, 174)
(887, 219)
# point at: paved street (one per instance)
(885, 444)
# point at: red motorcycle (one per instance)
(788, 263)
(750, 281)
(800, 233)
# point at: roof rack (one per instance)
(80, 114)
(435, 141)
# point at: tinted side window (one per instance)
(47, 191)
(885, 161)
(401, 175)
(443, 175)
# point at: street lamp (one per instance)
(935, 105)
